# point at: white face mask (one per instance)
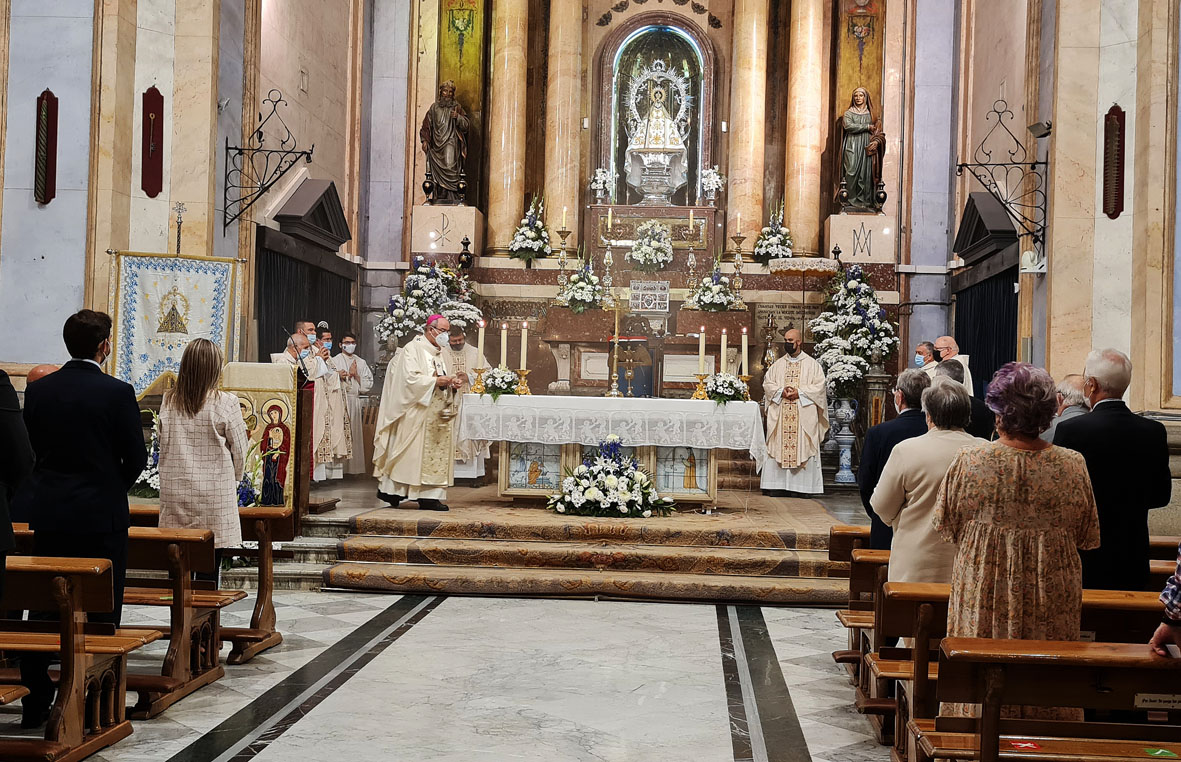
(442, 341)
(349, 348)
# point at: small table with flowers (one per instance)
(676, 440)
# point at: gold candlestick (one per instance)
(560, 300)
(699, 393)
(738, 239)
(478, 386)
(522, 383)
(746, 386)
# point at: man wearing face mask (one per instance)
(302, 354)
(797, 419)
(924, 358)
(335, 447)
(462, 359)
(356, 379)
(946, 349)
(414, 448)
(85, 430)
(1128, 461)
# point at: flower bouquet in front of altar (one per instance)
(774, 241)
(713, 294)
(430, 288)
(653, 248)
(726, 387)
(583, 291)
(148, 483)
(610, 484)
(498, 381)
(531, 239)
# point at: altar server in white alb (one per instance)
(414, 448)
(330, 431)
(355, 379)
(797, 420)
(462, 360)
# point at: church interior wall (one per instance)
(37, 240)
(231, 62)
(155, 56)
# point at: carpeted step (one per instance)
(586, 555)
(574, 583)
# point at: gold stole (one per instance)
(789, 418)
(438, 445)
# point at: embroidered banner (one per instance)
(164, 302)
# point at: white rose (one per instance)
(646, 514)
(623, 509)
(561, 508)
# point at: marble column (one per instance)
(506, 126)
(748, 101)
(804, 98)
(562, 116)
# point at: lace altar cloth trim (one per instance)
(553, 419)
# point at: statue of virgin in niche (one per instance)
(656, 156)
(863, 144)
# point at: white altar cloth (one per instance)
(553, 419)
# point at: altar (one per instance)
(673, 439)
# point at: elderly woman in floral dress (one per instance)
(1019, 509)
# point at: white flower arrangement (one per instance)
(712, 180)
(583, 291)
(726, 387)
(498, 381)
(603, 180)
(610, 484)
(713, 294)
(853, 328)
(774, 241)
(531, 240)
(148, 483)
(653, 248)
(429, 289)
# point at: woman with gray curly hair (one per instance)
(1019, 509)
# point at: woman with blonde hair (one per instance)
(202, 449)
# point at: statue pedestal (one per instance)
(862, 237)
(438, 229)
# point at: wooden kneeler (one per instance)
(266, 526)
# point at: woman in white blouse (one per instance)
(905, 495)
(202, 449)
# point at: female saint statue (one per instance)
(863, 143)
(657, 160)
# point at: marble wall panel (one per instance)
(43, 260)
(154, 61)
(230, 81)
(388, 132)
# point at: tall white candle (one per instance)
(723, 350)
(701, 352)
(690, 221)
(745, 368)
(610, 218)
(738, 227)
(504, 345)
(563, 218)
(480, 342)
(524, 343)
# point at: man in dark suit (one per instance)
(15, 465)
(983, 422)
(880, 441)
(85, 430)
(1128, 459)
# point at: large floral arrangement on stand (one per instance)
(583, 291)
(852, 328)
(148, 483)
(429, 289)
(610, 484)
(774, 241)
(714, 293)
(531, 240)
(653, 248)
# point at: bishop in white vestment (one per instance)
(356, 379)
(414, 447)
(797, 420)
(462, 360)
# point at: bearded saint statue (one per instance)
(444, 141)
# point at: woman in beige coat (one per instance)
(905, 495)
(202, 449)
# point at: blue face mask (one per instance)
(327, 344)
(303, 353)
(919, 360)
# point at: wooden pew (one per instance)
(867, 569)
(843, 539)
(266, 525)
(193, 658)
(88, 713)
(1163, 548)
(998, 673)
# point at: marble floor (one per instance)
(382, 677)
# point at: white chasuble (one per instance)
(414, 445)
(795, 428)
(469, 454)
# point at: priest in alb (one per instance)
(414, 447)
(462, 360)
(331, 434)
(797, 420)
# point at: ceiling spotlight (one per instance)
(1041, 129)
